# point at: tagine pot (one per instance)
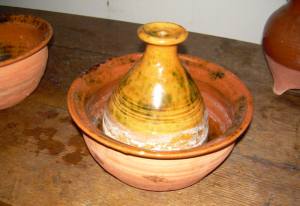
(23, 56)
(226, 100)
(281, 44)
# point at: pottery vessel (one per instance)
(157, 105)
(230, 109)
(23, 56)
(281, 44)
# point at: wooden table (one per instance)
(44, 161)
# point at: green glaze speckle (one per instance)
(216, 75)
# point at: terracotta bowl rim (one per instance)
(38, 47)
(207, 148)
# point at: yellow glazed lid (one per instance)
(157, 104)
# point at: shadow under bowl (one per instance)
(23, 56)
(229, 104)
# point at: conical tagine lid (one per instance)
(157, 105)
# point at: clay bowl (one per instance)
(23, 56)
(230, 109)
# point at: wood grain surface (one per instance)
(44, 161)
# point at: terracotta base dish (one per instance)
(23, 56)
(230, 110)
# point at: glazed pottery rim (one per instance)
(162, 35)
(207, 148)
(38, 47)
